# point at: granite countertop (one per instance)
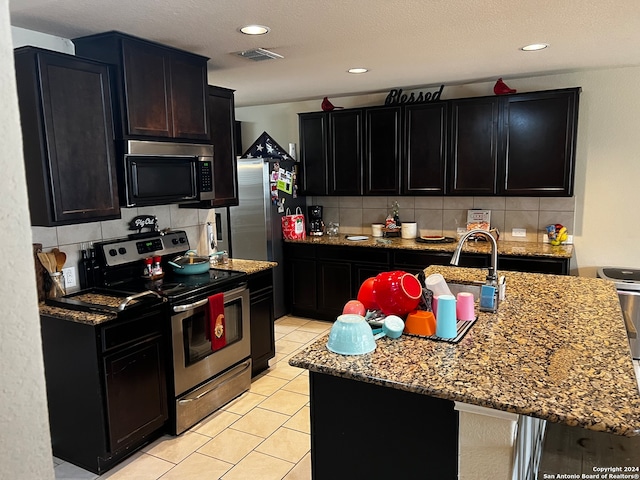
(95, 318)
(523, 249)
(247, 266)
(557, 349)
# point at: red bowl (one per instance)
(397, 292)
(365, 294)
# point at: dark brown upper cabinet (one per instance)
(225, 166)
(383, 150)
(345, 152)
(473, 164)
(521, 145)
(425, 158)
(67, 133)
(314, 156)
(331, 153)
(538, 143)
(162, 91)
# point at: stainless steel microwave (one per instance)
(159, 173)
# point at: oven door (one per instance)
(194, 361)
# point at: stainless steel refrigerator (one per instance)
(256, 229)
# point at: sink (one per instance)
(473, 287)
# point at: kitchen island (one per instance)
(556, 350)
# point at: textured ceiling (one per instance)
(409, 43)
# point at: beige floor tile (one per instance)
(282, 369)
(260, 422)
(231, 445)
(301, 336)
(198, 467)
(258, 466)
(140, 466)
(302, 470)
(176, 449)
(301, 421)
(277, 336)
(286, 346)
(300, 384)
(316, 326)
(215, 423)
(267, 385)
(285, 402)
(284, 329)
(289, 320)
(286, 444)
(244, 403)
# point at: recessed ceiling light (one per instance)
(254, 29)
(358, 70)
(534, 47)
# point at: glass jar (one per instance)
(332, 229)
(57, 287)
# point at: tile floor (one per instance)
(261, 435)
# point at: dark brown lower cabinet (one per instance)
(262, 320)
(322, 278)
(106, 387)
(361, 430)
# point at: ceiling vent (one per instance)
(258, 54)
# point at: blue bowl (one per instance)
(351, 335)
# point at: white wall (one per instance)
(25, 444)
(606, 230)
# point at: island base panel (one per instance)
(362, 430)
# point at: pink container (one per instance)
(465, 306)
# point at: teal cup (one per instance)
(446, 325)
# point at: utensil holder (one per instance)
(57, 287)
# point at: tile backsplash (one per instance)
(69, 238)
(443, 215)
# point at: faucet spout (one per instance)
(492, 276)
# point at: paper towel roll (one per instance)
(409, 229)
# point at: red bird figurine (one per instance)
(327, 106)
(501, 88)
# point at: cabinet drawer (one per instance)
(300, 250)
(132, 331)
(354, 254)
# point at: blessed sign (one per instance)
(396, 97)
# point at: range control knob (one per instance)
(174, 241)
(122, 250)
(113, 252)
(182, 240)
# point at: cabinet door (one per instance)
(67, 132)
(383, 150)
(425, 149)
(302, 285)
(334, 288)
(135, 391)
(313, 152)
(225, 171)
(539, 143)
(189, 97)
(474, 148)
(148, 97)
(345, 152)
(262, 329)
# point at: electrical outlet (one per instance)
(518, 232)
(69, 277)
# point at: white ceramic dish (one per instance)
(356, 238)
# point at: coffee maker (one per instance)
(316, 225)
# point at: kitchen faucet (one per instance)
(492, 276)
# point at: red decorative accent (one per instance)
(327, 106)
(501, 88)
(216, 321)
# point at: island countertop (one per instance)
(556, 349)
(520, 249)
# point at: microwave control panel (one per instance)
(206, 176)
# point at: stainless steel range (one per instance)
(207, 320)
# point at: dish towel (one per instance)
(216, 321)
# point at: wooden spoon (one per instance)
(46, 262)
(60, 257)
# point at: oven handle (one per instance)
(130, 298)
(228, 296)
(241, 368)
